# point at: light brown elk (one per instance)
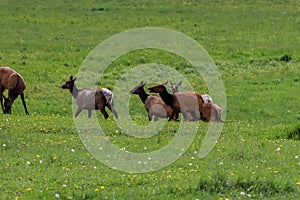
(184, 102)
(15, 84)
(154, 105)
(91, 99)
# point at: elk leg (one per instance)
(1, 99)
(89, 113)
(24, 104)
(149, 116)
(112, 109)
(174, 113)
(103, 111)
(78, 111)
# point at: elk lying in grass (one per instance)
(91, 99)
(15, 84)
(211, 111)
(183, 102)
(206, 98)
(154, 105)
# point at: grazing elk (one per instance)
(154, 105)
(211, 111)
(91, 99)
(183, 102)
(15, 84)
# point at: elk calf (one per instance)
(15, 84)
(91, 99)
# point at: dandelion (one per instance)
(4, 145)
(278, 149)
(243, 193)
(190, 164)
(57, 195)
(169, 177)
(27, 163)
(29, 189)
(64, 185)
(95, 167)
(298, 183)
(40, 161)
(296, 157)
(102, 187)
(276, 172)
(37, 156)
(73, 150)
(96, 190)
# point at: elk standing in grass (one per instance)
(15, 84)
(183, 102)
(211, 111)
(91, 99)
(154, 105)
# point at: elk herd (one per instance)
(160, 104)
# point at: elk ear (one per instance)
(71, 77)
(180, 83)
(165, 83)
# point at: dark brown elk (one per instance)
(15, 84)
(154, 105)
(183, 102)
(91, 99)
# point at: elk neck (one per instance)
(143, 95)
(74, 91)
(167, 97)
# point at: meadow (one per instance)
(255, 45)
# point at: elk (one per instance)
(183, 102)
(154, 105)
(15, 84)
(91, 99)
(211, 111)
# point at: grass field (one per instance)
(258, 153)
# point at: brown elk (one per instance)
(15, 84)
(91, 99)
(211, 111)
(154, 105)
(183, 102)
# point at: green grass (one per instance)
(257, 154)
